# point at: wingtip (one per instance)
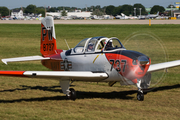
(4, 61)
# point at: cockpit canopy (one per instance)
(97, 44)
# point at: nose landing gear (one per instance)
(140, 95)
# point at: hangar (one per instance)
(177, 13)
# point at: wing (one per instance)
(63, 75)
(75, 75)
(29, 58)
(161, 66)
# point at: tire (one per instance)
(140, 96)
(72, 94)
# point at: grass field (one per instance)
(25, 98)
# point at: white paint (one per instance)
(29, 58)
(161, 66)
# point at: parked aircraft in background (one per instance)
(123, 16)
(95, 59)
(152, 16)
(118, 17)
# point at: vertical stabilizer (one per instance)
(157, 13)
(48, 38)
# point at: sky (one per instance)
(82, 3)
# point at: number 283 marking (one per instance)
(117, 65)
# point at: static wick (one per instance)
(67, 44)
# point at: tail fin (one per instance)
(48, 38)
(157, 13)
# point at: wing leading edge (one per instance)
(63, 75)
(161, 66)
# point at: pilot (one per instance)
(108, 45)
(90, 47)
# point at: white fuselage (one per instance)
(95, 62)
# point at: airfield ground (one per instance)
(39, 99)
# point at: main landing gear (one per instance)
(70, 93)
(140, 94)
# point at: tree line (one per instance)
(97, 10)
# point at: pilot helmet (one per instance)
(90, 44)
(107, 40)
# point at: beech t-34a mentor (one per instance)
(96, 59)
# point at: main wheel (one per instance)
(72, 94)
(140, 96)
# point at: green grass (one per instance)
(26, 98)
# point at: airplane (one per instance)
(150, 16)
(94, 59)
(123, 16)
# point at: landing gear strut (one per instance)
(140, 95)
(70, 93)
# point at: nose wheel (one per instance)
(140, 96)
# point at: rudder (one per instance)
(48, 38)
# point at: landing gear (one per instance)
(140, 95)
(72, 94)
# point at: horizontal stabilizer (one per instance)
(161, 66)
(29, 58)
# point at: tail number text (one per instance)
(48, 47)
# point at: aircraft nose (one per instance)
(143, 60)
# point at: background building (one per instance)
(17, 14)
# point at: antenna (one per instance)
(67, 44)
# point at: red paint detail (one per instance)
(131, 72)
(12, 73)
(55, 61)
(59, 50)
(56, 57)
(134, 81)
(54, 65)
(48, 47)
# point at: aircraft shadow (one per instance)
(80, 94)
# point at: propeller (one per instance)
(148, 44)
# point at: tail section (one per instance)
(48, 38)
(157, 13)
